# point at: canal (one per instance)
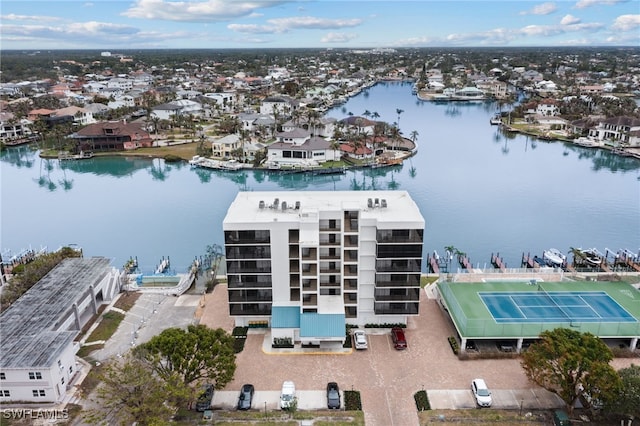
(478, 190)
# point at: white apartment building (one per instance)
(37, 349)
(306, 263)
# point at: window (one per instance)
(5, 394)
(38, 392)
(3, 376)
(35, 375)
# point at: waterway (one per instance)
(478, 190)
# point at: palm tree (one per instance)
(414, 136)
(399, 111)
(367, 113)
(375, 115)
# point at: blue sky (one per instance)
(108, 24)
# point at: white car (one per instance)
(481, 393)
(360, 339)
(288, 395)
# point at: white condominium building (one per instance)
(307, 263)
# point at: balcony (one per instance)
(399, 236)
(350, 271)
(309, 254)
(294, 295)
(397, 280)
(350, 298)
(330, 269)
(404, 295)
(351, 241)
(248, 281)
(387, 308)
(309, 300)
(246, 309)
(329, 225)
(351, 255)
(351, 225)
(412, 265)
(244, 296)
(309, 270)
(294, 236)
(351, 312)
(309, 285)
(294, 281)
(247, 237)
(247, 268)
(293, 252)
(351, 284)
(294, 266)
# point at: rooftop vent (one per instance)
(377, 202)
(284, 205)
(370, 203)
(383, 203)
(261, 204)
(276, 202)
(297, 205)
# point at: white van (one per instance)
(288, 394)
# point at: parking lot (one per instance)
(386, 378)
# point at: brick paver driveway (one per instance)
(386, 378)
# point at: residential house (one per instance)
(548, 107)
(223, 147)
(298, 148)
(112, 136)
(81, 116)
(179, 107)
(307, 263)
(12, 129)
(282, 105)
(617, 131)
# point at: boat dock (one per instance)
(497, 262)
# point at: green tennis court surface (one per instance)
(519, 309)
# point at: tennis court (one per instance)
(522, 310)
(543, 306)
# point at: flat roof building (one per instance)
(37, 348)
(306, 263)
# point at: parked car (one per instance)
(287, 395)
(246, 397)
(481, 393)
(204, 399)
(360, 339)
(399, 341)
(333, 395)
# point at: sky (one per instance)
(158, 24)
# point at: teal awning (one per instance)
(322, 325)
(285, 317)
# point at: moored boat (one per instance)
(554, 257)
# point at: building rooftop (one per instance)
(294, 207)
(30, 335)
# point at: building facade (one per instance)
(37, 349)
(307, 263)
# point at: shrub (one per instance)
(238, 344)
(422, 400)
(352, 400)
(386, 325)
(454, 345)
(240, 331)
(282, 342)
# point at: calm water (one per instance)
(478, 191)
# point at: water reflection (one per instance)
(19, 156)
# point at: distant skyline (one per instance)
(157, 24)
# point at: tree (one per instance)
(570, 363)
(130, 389)
(195, 354)
(627, 400)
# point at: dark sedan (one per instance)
(333, 395)
(246, 397)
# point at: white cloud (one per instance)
(541, 9)
(195, 11)
(88, 4)
(626, 22)
(569, 20)
(36, 18)
(255, 29)
(582, 4)
(311, 22)
(283, 25)
(337, 38)
(552, 30)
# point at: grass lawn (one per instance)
(279, 418)
(127, 300)
(485, 417)
(108, 325)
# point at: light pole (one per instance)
(521, 402)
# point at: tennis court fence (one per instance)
(483, 327)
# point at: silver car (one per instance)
(360, 339)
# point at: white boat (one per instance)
(593, 256)
(496, 120)
(554, 257)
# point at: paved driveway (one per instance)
(386, 378)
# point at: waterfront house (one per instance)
(38, 347)
(617, 131)
(307, 263)
(81, 116)
(224, 147)
(299, 149)
(12, 129)
(112, 136)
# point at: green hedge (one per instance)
(352, 400)
(454, 345)
(422, 400)
(386, 325)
